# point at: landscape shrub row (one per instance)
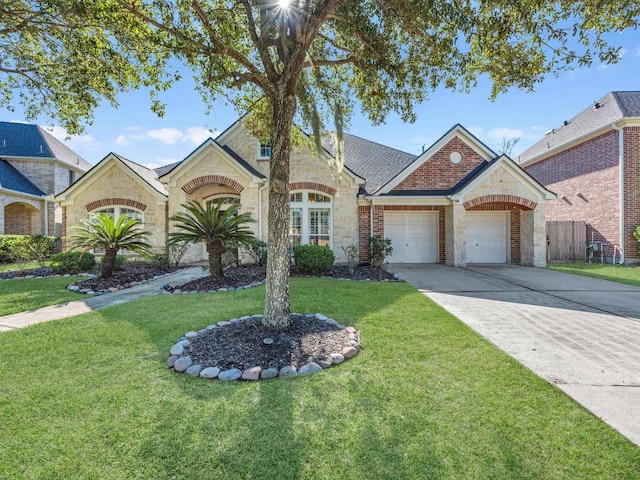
(26, 248)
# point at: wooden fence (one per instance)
(566, 241)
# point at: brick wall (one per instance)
(585, 178)
(364, 230)
(18, 219)
(514, 220)
(438, 173)
(632, 190)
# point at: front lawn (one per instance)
(6, 267)
(24, 295)
(91, 397)
(614, 273)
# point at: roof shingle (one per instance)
(12, 179)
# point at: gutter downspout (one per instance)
(46, 217)
(621, 186)
(371, 218)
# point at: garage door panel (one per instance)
(414, 236)
(486, 235)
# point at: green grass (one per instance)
(5, 267)
(90, 397)
(614, 273)
(24, 295)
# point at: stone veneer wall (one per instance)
(116, 185)
(311, 172)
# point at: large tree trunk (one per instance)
(277, 313)
(108, 262)
(215, 250)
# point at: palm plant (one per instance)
(213, 226)
(103, 231)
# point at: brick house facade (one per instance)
(426, 204)
(592, 162)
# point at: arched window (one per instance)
(311, 219)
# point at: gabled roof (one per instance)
(614, 106)
(12, 179)
(146, 176)
(24, 140)
(456, 131)
(233, 157)
(370, 160)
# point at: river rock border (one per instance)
(180, 361)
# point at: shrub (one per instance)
(313, 259)
(25, 248)
(257, 252)
(70, 262)
(636, 234)
(177, 251)
(379, 249)
(353, 255)
(161, 260)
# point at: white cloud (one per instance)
(160, 162)
(168, 136)
(165, 135)
(121, 140)
(497, 134)
(84, 141)
(197, 135)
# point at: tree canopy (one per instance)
(312, 60)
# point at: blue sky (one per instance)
(134, 132)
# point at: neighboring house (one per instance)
(33, 166)
(456, 203)
(592, 162)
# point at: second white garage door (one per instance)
(414, 236)
(487, 237)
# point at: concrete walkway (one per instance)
(578, 333)
(90, 303)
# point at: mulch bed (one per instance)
(240, 345)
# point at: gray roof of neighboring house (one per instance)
(374, 162)
(12, 179)
(612, 107)
(148, 175)
(24, 140)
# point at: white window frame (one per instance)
(306, 208)
(260, 150)
(117, 211)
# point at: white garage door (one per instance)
(487, 237)
(414, 236)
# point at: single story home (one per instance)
(592, 162)
(456, 203)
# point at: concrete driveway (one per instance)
(578, 333)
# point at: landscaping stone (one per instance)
(311, 367)
(191, 335)
(351, 330)
(269, 373)
(184, 343)
(288, 371)
(324, 363)
(194, 370)
(230, 375)
(177, 349)
(210, 372)
(182, 364)
(337, 358)
(349, 352)
(171, 360)
(252, 373)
